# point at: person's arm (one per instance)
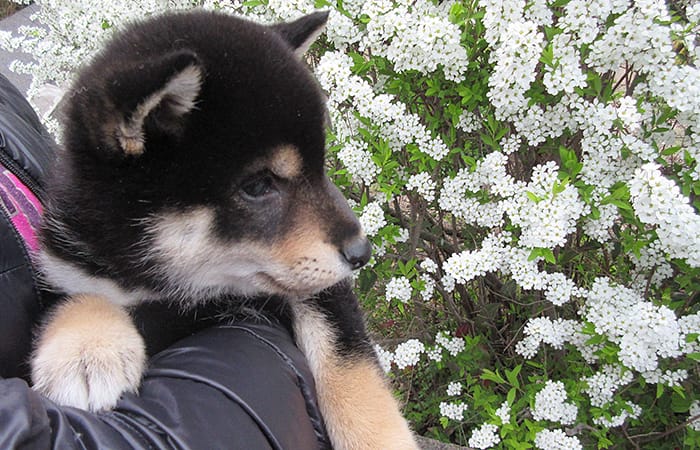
(242, 386)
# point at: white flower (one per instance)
(601, 386)
(423, 184)
(454, 411)
(556, 440)
(550, 404)
(408, 353)
(372, 218)
(358, 161)
(485, 436)
(694, 412)
(435, 354)
(454, 388)
(385, 358)
(399, 288)
(429, 265)
(503, 413)
(415, 36)
(645, 332)
(632, 411)
(465, 266)
(468, 122)
(453, 345)
(542, 329)
(658, 201)
(628, 113)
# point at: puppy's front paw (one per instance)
(88, 354)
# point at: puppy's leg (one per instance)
(88, 354)
(355, 400)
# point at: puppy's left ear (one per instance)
(154, 98)
(301, 33)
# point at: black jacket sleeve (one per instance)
(243, 386)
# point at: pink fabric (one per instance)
(22, 206)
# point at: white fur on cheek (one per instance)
(195, 262)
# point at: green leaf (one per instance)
(694, 356)
(595, 340)
(533, 197)
(492, 376)
(512, 376)
(659, 390)
(510, 397)
(545, 253)
(444, 421)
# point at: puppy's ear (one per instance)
(154, 97)
(301, 33)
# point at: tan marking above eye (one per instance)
(286, 162)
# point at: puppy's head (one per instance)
(194, 164)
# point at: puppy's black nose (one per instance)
(357, 251)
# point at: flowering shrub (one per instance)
(528, 172)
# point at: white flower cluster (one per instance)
(556, 440)
(468, 122)
(599, 229)
(384, 357)
(565, 73)
(670, 378)
(503, 413)
(548, 220)
(550, 404)
(415, 35)
(396, 124)
(515, 58)
(645, 332)
(486, 436)
(453, 345)
(358, 161)
(602, 385)
(408, 353)
(490, 174)
(454, 388)
(341, 30)
(543, 329)
(694, 411)
(423, 184)
(690, 325)
(399, 288)
(429, 266)
(465, 266)
(69, 33)
(658, 201)
(628, 113)
(372, 218)
(453, 411)
(631, 411)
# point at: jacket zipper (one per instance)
(20, 173)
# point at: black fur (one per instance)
(342, 310)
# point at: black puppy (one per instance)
(194, 169)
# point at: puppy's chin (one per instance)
(293, 289)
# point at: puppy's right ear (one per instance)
(301, 33)
(153, 97)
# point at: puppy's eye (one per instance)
(258, 186)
